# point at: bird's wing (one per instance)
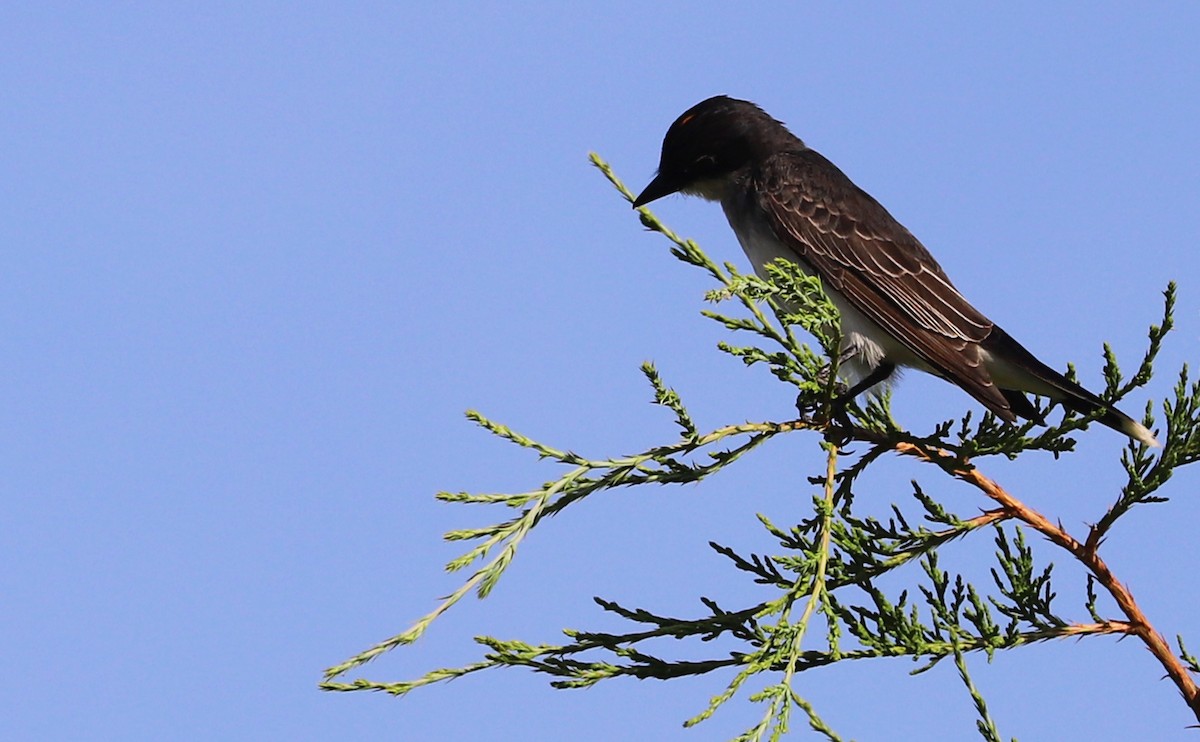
(861, 251)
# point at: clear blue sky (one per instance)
(257, 260)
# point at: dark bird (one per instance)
(898, 308)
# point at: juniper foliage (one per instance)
(827, 573)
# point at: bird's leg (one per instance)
(878, 374)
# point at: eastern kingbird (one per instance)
(898, 308)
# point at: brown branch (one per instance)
(1093, 629)
(1138, 624)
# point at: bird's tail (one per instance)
(1035, 376)
(1112, 417)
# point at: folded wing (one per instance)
(861, 251)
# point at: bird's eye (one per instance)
(704, 161)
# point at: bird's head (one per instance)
(710, 142)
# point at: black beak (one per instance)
(659, 187)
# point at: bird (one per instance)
(898, 307)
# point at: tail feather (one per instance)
(1020, 406)
(1113, 418)
(1034, 376)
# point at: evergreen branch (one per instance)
(658, 465)
(1090, 603)
(783, 639)
(555, 660)
(1139, 624)
(669, 398)
(817, 593)
(984, 724)
(1190, 660)
(1146, 474)
(1028, 594)
(831, 553)
(1156, 334)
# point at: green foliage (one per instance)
(829, 568)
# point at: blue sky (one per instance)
(258, 259)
